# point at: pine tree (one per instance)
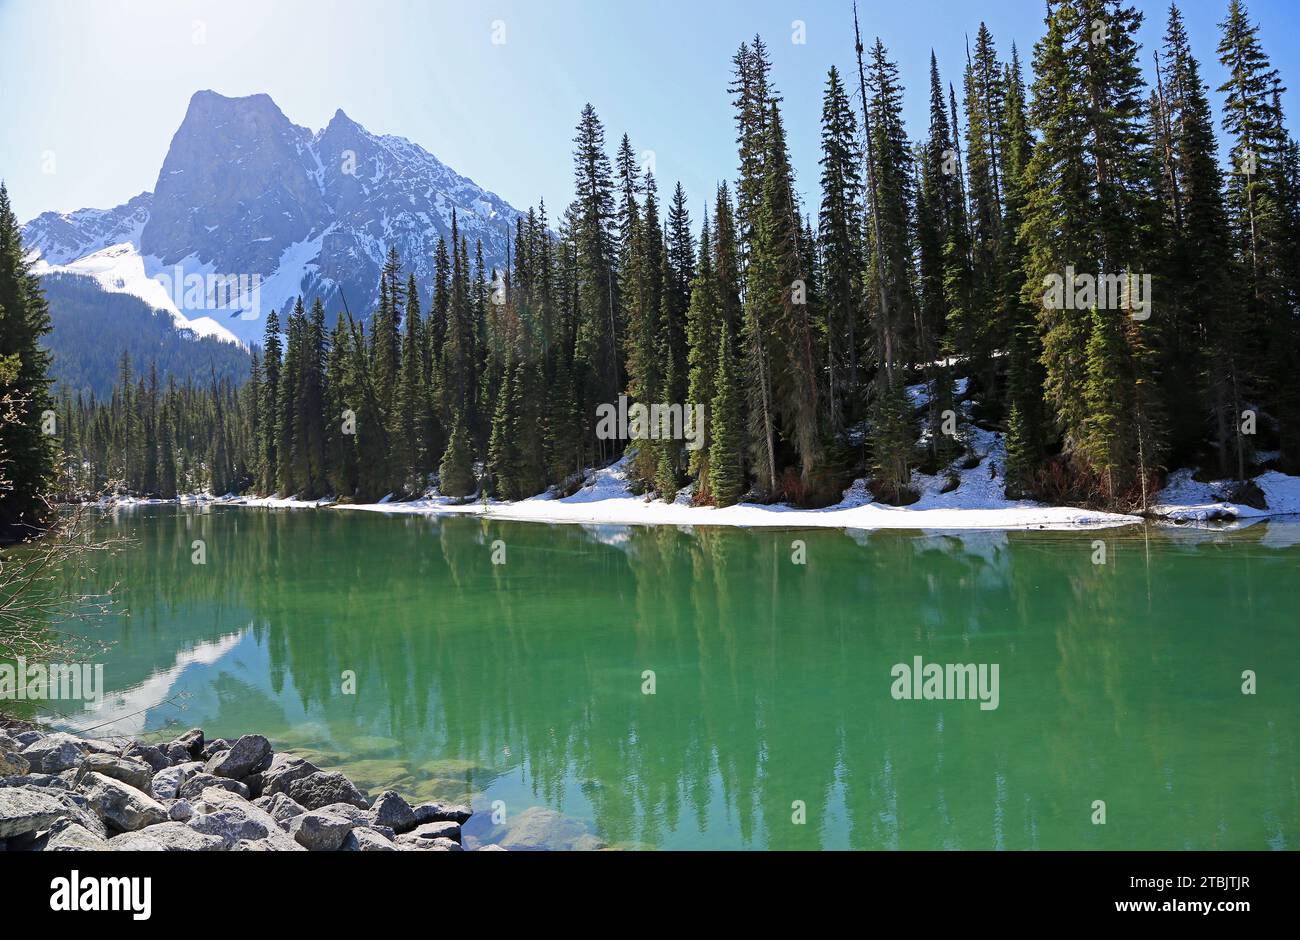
(726, 450)
(26, 451)
(456, 472)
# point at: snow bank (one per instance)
(1185, 500)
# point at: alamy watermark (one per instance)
(947, 681)
(1122, 291)
(232, 293)
(650, 422)
(26, 681)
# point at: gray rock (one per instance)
(319, 831)
(250, 845)
(389, 809)
(283, 772)
(176, 754)
(9, 744)
(135, 773)
(322, 788)
(167, 837)
(410, 843)
(281, 807)
(122, 807)
(241, 759)
(436, 830)
(442, 812)
(215, 747)
(192, 742)
(54, 753)
(79, 810)
(196, 783)
(13, 764)
(23, 811)
(234, 818)
(151, 755)
(539, 827)
(167, 782)
(27, 738)
(367, 840)
(180, 811)
(359, 817)
(68, 836)
(36, 780)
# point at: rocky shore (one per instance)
(63, 793)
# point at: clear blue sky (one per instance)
(103, 84)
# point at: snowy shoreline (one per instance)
(978, 502)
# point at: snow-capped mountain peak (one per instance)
(251, 210)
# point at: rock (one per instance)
(36, 780)
(153, 756)
(122, 807)
(68, 836)
(192, 742)
(359, 817)
(541, 828)
(241, 759)
(9, 744)
(389, 809)
(283, 772)
(214, 747)
(54, 753)
(79, 810)
(409, 842)
(322, 788)
(167, 837)
(176, 754)
(197, 782)
(437, 830)
(367, 840)
(27, 738)
(13, 764)
(319, 831)
(167, 782)
(442, 812)
(281, 808)
(489, 848)
(226, 814)
(247, 845)
(135, 773)
(180, 811)
(24, 811)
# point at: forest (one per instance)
(801, 328)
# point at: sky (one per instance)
(93, 90)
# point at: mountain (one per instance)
(93, 327)
(251, 210)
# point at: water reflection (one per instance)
(523, 681)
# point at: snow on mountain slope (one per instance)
(245, 193)
(121, 269)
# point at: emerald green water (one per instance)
(523, 682)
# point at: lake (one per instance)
(512, 665)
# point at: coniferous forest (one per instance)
(800, 328)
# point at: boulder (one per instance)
(191, 741)
(359, 817)
(122, 807)
(322, 788)
(319, 831)
(68, 836)
(367, 840)
(442, 812)
(36, 780)
(281, 807)
(180, 811)
(281, 774)
(241, 759)
(215, 747)
(197, 782)
(13, 764)
(55, 753)
(436, 830)
(23, 811)
(389, 809)
(177, 754)
(79, 810)
(167, 837)
(226, 814)
(151, 755)
(167, 782)
(27, 738)
(135, 773)
(409, 843)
